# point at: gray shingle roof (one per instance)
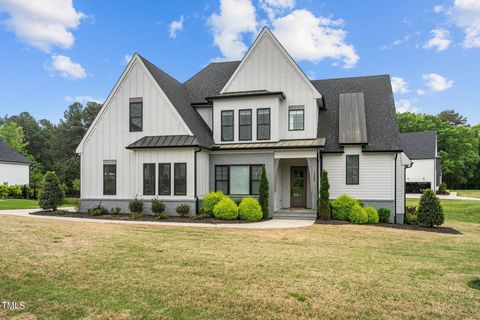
(419, 145)
(382, 128)
(164, 142)
(8, 154)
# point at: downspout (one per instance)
(195, 179)
(318, 183)
(395, 189)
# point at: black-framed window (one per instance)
(353, 169)
(136, 116)
(109, 179)
(245, 124)
(164, 179)
(180, 179)
(227, 121)
(238, 179)
(263, 124)
(296, 119)
(149, 179)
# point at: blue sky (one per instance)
(56, 51)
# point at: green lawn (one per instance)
(457, 210)
(72, 270)
(8, 204)
(468, 193)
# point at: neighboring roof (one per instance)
(8, 154)
(380, 114)
(282, 144)
(352, 124)
(254, 93)
(164, 142)
(180, 97)
(419, 145)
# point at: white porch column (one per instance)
(312, 170)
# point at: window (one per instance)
(227, 125)
(149, 179)
(352, 169)
(110, 178)
(245, 125)
(238, 179)
(164, 179)
(295, 119)
(136, 115)
(221, 179)
(263, 124)
(180, 179)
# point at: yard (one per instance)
(468, 193)
(7, 204)
(65, 270)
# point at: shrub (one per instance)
(135, 206)
(442, 189)
(136, 215)
(342, 206)
(210, 200)
(358, 215)
(430, 211)
(411, 216)
(199, 216)
(250, 210)
(98, 210)
(157, 206)
(323, 201)
(3, 191)
(226, 209)
(263, 190)
(52, 195)
(25, 191)
(183, 210)
(62, 212)
(160, 215)
(372, 215)
(15, 192)
(384, 215)
(115, 210)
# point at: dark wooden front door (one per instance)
(298, 183)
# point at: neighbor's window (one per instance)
(110, 178)
(227, 125)
(263, 124)
(238, 179)
(180, 179)
(295, 119)
(221, 179)
(136, 115)
(149, 179)
(352, 169)
(164, 179)
(245, 125)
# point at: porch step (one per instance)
(307, 215)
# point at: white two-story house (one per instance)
(157, 137)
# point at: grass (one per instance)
(71, 270)
(9, 204)
(457, 210)
(468, 193)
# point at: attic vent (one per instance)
(352, 122)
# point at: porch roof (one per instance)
(282, 144)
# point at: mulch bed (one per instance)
(145, 217)
(396, 226)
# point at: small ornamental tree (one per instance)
(263, 193)
(324, 202)
(430, 211)
(52, 194)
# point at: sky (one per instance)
(55, 52)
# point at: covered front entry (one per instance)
(298, 189)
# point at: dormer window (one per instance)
(227, 125)
(136, 114)
(296, 118)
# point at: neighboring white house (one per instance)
(14, 167)
(426, 171)
(157, 137)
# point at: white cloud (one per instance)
(399, 85)
(420, 92)
(397, 42)
(404, 105)
(466, 15)
(42, 24)
(307, 37)
(174, 27)
(126, 58)
(236, 18)
(437, 9)
(66, 67)
(440, 40)
(274, 7)
(436, 82)
(83, 99)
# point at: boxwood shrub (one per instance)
(249, 209)
(358, 215)
(157, 206)
(384, 215)
(135, 206)
(342, 206)
(210, 200)
(372, 215)
(226, 209)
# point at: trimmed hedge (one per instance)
(384, 215)
(226, 209)
(250, 210)
(210, 200)
(372, 215)
(342, 206)
(358, 215)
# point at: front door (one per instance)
(298, 176)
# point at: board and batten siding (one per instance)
(203, 166)
(12, 173)
(110, 135)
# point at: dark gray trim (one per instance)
(240, 125)
(222, 125)
(169, 141)
(346, 169)
(269, 123)
(391, 151)
(175, 193)
(303, 119)
(133, 101)
(169, 178)
(246, 94)
(104, 174)
(154, 178)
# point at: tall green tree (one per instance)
(324, 200)
(12, 134)
(452, 117)
(263, 191)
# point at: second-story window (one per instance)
(296, 119)
(227, 125)
(245, 125)
(263, 124)
(136, 115)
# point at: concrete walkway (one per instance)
(451, 196)
(269, 224)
